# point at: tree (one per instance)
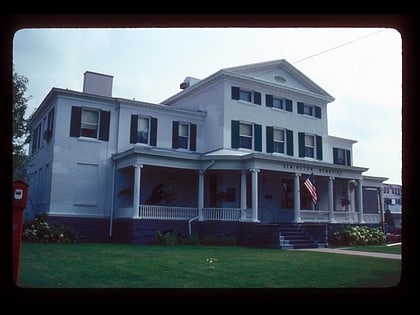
(20, 132)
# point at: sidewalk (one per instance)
(352, 252)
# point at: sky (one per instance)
(360, 67)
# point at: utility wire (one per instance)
(347, 43)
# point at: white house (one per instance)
(228, 155)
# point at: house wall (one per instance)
(40, 165)
(210, 132)
(82, 168)
(268, 116)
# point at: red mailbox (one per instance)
(20, 197)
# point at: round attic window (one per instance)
(279, 79)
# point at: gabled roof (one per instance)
(276, 73)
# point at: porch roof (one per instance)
(233, 159)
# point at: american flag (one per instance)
(309, 183)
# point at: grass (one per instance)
(97, 265)
(388, 248)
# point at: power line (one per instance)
(347, 43)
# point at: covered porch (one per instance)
(238, 186)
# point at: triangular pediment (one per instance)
(282, 73)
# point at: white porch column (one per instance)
(360, 200)
(136, 193)
(296, 189)
(254, 172)
(331, 198)
(200, 195)
(243, 195)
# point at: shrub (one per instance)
(169, 237)
(39, 230)
(357, 235)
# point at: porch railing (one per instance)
(167, 213)
(236, 214)
(314, 215)
(222, 214)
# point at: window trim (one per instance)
(98, 111)
(250, 137)
(309, 147)
(148, 129)
(283, 130)
(188, 137)
(103, 125)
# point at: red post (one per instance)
(20, 196)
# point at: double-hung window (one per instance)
(143, 130)
(89, 123)
(143, 125)
(245, 136)
(278, 140)
(309, 110)
(278, 103)
(184, 135)
(246, 95)
(310, 145)
(341, 156)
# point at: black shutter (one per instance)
(193, 137)
(289, 105)
(269, 100)
(270, 141)
(319, 147)
(257, 98)
(76, 121)
(289, 142)
(258, 138)
(104, 125)
(335, 155)
(235, 134)
(133, 129)
(317, 112)
(175, 130)
(301, 138)
(300, 107)
(51, 121)
(235, 93)
(348, 161)
(153, 131)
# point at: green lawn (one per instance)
(389, 249)
(96, 265)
